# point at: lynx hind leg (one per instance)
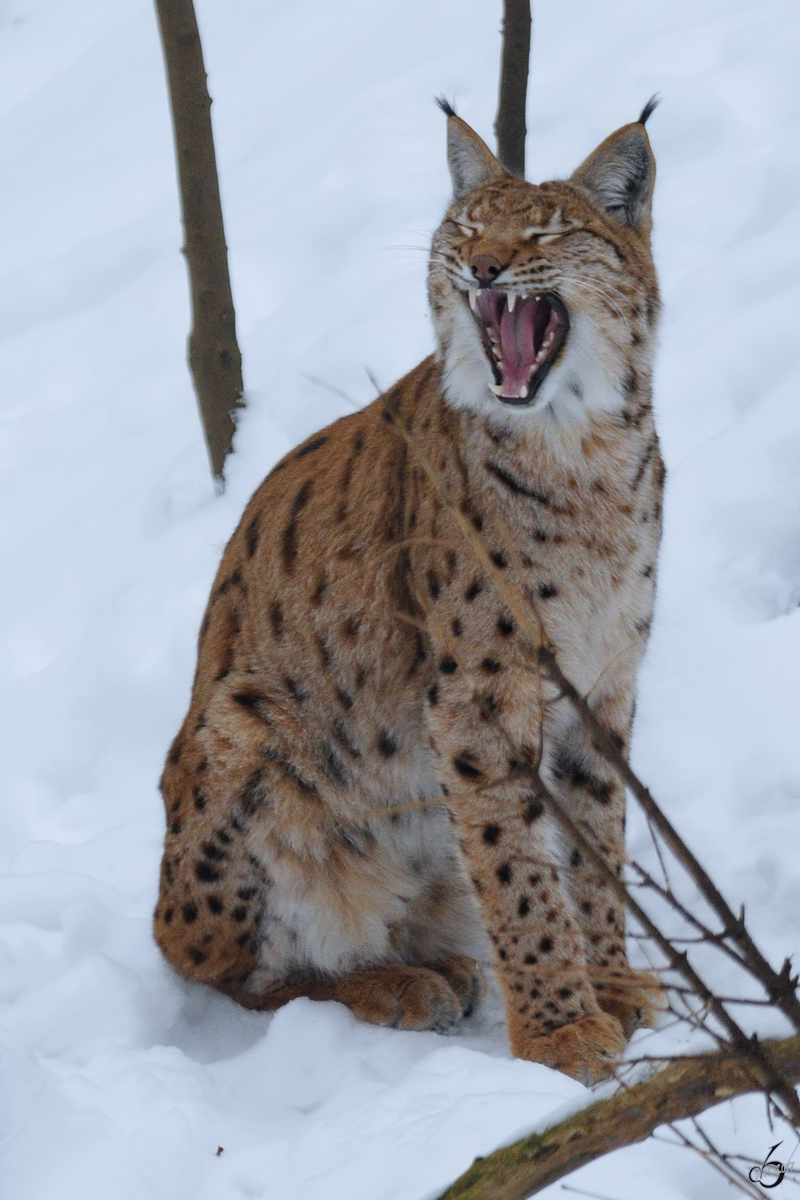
(395, 995)
(634, 998)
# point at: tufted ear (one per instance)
(470, 160)
(620, 175)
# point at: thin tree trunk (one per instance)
(681, 1089)
(214, 357)
(510, 123)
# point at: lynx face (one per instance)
(539, 293)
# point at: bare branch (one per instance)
(682, 1089)
(214, 357)
(510, 123)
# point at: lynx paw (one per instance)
(402, 997)
(586, 1049)
(634, 997)
(465, 978)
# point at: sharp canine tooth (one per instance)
(511, 300)
(537, 298)
(497, 388)
(473, 298)
(523, 393)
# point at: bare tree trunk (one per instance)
(214, 357)
(679, 1090)
(510, 123)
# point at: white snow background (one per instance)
(117, 1079)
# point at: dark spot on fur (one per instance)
(175, 753)
(311, 446)
(531, 961)
(213, 852)
(387, 746)
(448, 666)
(434, 584)
(189, 913)
(514, 485)
(169, 913)
(575, 859)
(206, 873)
(499, 558)
(433, 694)
(199, 799)
(289, 542)
(276, 618)
(565, 767)
(546, 945)
(630, 383)
(253, 702)
(239, 914)
(491, 666)
(215, 904)
(474, 589)
(247, 893)
(319, 591)
(491, 834)
(332, 765)
(547, 590)
(197, 956)
(350, 627)
(294, 690)
(175, 827)
(457, 627)
(251, 535)
(640, 470)
(504, 873)
(465, 768)
(252, 795)
(344, 698)
(533, 810)
(505, 626)
(323, 651)
(524, 907)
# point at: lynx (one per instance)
(345, 818)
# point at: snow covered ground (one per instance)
(117, 1080)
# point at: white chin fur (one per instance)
(585, 379)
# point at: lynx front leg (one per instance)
(508, 843)
(596, 801)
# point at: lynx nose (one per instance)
(486, 268)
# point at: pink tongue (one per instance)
(518, 346)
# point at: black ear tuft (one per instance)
(470, 160)
(620, 175)
(649, 109)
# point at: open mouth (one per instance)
(522, 336)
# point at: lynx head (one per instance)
(544, 298)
